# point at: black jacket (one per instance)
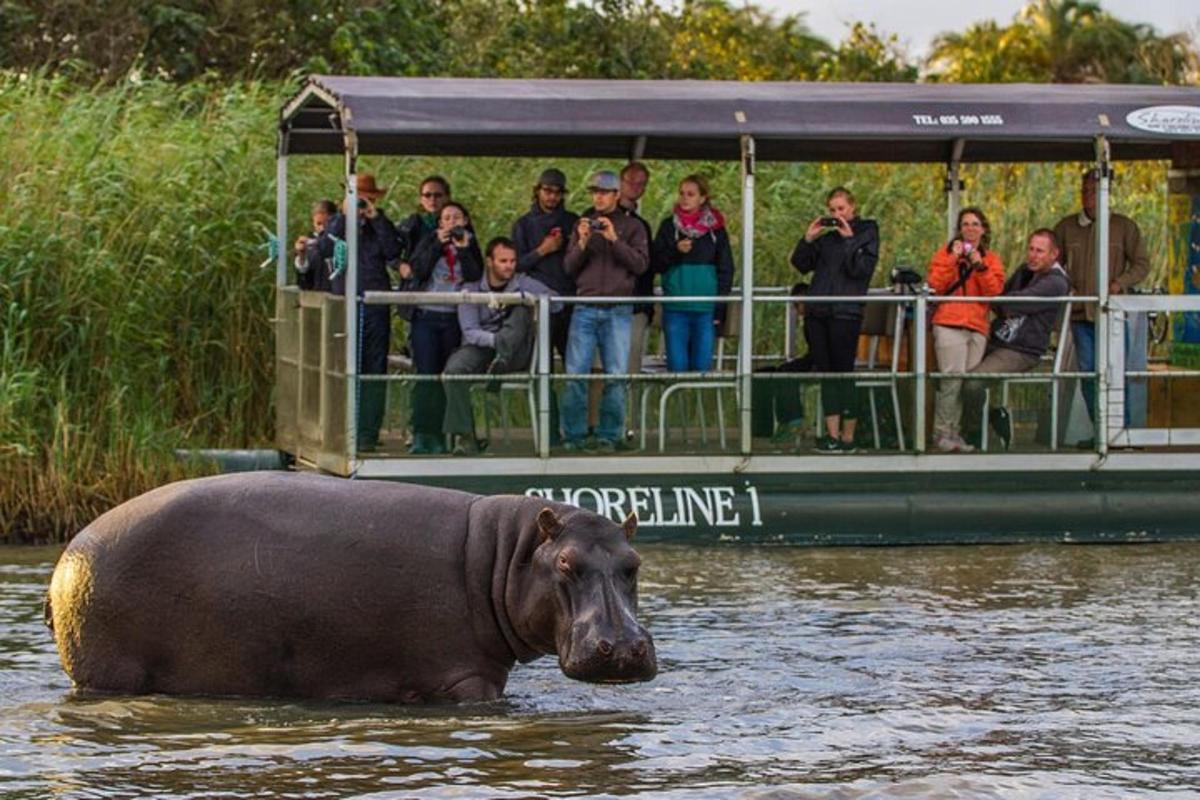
(427, 254)
(1026, 327)
(316, 267)
(529, 231)
(411, 231)
(378, 246)
(840, 267)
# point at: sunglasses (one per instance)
(432, 195)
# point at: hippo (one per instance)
(295, 585)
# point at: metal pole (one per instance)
(281, 213)
(352, 300)
(746, 335)
(953, 189)
(1102, 319)
(919, 369)
(543, 366)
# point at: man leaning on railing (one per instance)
(1021, 331)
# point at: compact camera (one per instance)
(829, 222)
(596, 224)
(458, 232)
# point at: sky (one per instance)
(916, 22)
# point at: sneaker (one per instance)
(962, 445)
(827, 445)
(948, 444)
(1002, 424)
(573, 446)
(498, 367)
(466, 445)
(604, 447)
(847, 447)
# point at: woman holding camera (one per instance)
(841, 251)
(966, 267)
(692, 253)
(442, 262)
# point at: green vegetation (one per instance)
(137, 160)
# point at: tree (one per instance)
(867, 55)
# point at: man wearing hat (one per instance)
(606, 253)
(541, 238)
(378, 246)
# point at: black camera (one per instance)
(458, 232)
(596, 224)
(905, 276)
(362, 203)
(830, 222)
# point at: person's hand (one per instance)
(606, 229)
(301, 243)
(405, 270)
(975, 259)
(583, 229)
(844, 228)
(956, 247)
(684, 245)
(1115, 288)
(443, 235)
(815, 229)
(552, 243)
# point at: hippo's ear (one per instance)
(549, 525)
(630, 526)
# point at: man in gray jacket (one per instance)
(1021, 331)
(496, 339)
(607, 251)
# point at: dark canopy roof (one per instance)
(705, 119)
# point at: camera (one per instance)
(596, 224)
(362, 203)
(905, 276)
(458, 232)
(829, 222)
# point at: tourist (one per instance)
(313, 271)
(692, 253)
(967, 267)
(840, 250)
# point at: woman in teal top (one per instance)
(692, 253)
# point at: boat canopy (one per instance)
(706, 120)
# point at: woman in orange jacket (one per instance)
(966, 267)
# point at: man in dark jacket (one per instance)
(498, 340)
(1021, 331)
(378, 247)
(607, 251)
(634, 177)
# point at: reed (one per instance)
(134, 319)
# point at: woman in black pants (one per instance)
(841, 251)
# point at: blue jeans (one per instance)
(690, 339)
(607, 328)
(1083, 334)
(433, 338)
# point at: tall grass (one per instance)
(134, 320)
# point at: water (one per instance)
(1043, 671)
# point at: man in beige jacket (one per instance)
(1128, 265)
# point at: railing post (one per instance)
(543, 369)
(746, 335)
(352, 300)
(919, 369)
(1102, 318)
(281, 213)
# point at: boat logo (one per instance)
(1177, 120)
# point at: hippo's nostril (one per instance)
(639, 648)
(605, 647)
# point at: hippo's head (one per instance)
(592, 572)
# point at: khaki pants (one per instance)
(999, 360)
(958, 350)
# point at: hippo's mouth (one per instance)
(629, 664)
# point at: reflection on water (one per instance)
(1042, 671)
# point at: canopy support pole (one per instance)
(746, 334)
(281, 213)
(953, 188)
(1104, 349)
(350, 209)
(543, 375)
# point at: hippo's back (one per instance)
(263, 584)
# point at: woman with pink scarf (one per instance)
(692, 253)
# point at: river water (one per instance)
(1041, 671)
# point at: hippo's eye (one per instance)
(564, 564)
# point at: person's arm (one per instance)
(425, 259)
(804, 256)
(725, 267)
(663, 252)
(469, 322)
(633, 255)
(389, 242)
(990, 282)
(527, 254)
(862, 252)
(943, 271)
(1138, 261)
(471, 260)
